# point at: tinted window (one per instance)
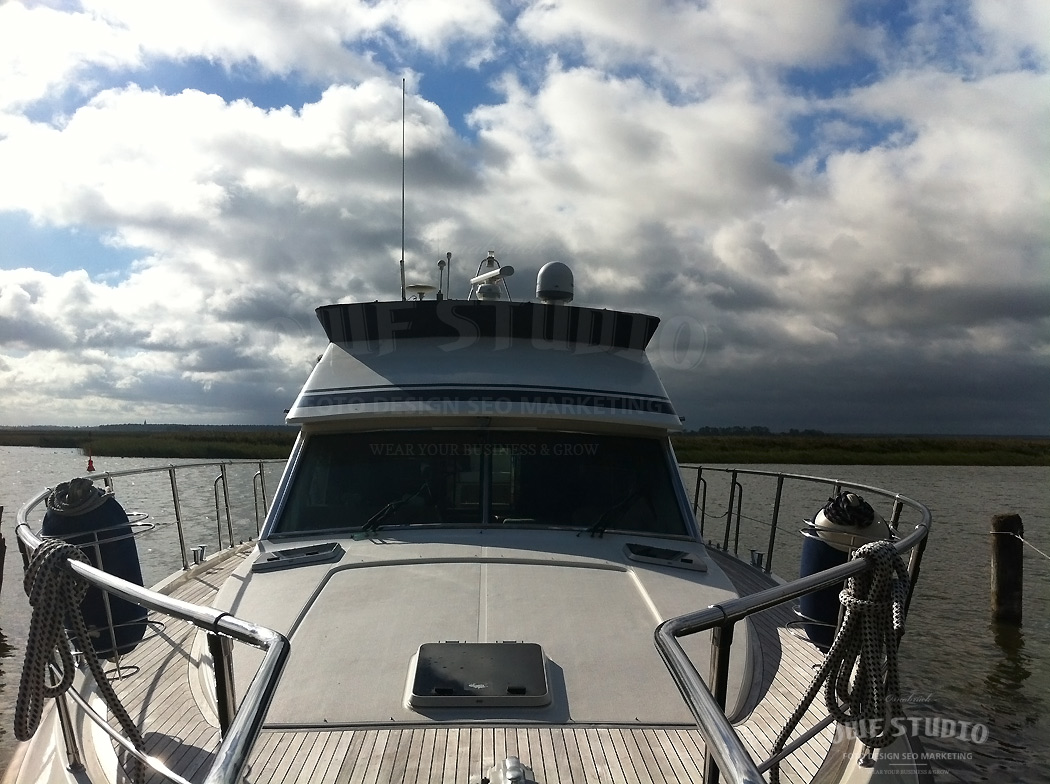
(482, 478)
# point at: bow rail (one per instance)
(706, 698)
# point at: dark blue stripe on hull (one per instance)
(555, 398)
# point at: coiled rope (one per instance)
(55, 593)
(859, 673)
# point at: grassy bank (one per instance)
(862, 450)
(803, 449)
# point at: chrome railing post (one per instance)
(226, 500)
(73, 755)
(108, 607)
(722, 744)
(914, 563)
(775, 522)
(729, 513)
(218, 513)
(178, 516)
(721, 645)
(259, 486)
(696, 498)
(895, 515)
(221, 650)
(262, 485)
(739, 511)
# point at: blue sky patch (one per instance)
(57, 250)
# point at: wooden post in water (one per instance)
(3, 550)
(1007, 568)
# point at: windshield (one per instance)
(357, 481)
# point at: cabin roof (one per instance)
(380, 322)
(513, 363)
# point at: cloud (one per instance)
(722, 37)
(802, 193)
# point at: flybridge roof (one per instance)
(518, 363)
(458, 320)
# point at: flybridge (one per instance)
(518, 363)
(378, 326)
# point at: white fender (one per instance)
(850, 537)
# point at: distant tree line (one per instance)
(754, 430)
(204, 441)
(708, 445)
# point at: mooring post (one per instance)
(3, 551)
(1007, 568)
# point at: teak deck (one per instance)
(158, 692)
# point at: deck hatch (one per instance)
(328, 552)
(464, 674)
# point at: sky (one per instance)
(839, 210)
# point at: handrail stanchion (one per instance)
(226, 500)
(262, 486)
(696, 498)
(109, 611)
(739, 511)
(775, 522)
(914, 564)
(73, 755)
(221, 649)
(895, 515)
(178, 516)
(729, 513)
(721, 645)
(218, 514)
(259, 489)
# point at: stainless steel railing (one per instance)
(241, 724)
(727, 754)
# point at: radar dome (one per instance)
(554, 283)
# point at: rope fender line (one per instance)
(55, 592)
(859, 672)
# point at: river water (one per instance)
(956, 666)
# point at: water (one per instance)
(955, 666)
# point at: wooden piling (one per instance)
(1007, 568)
(3, 551)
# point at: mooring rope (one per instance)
(76, 497)
(865, 648)
(55, 593)
(1023, 540)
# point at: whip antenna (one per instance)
(402, 189)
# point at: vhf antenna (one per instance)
(402, 189)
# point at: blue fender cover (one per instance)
(105, 536)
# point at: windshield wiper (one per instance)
(375, 521)
(610, 515)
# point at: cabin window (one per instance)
(352, 481)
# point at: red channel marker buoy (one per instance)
(91, 465)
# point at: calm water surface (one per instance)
(957, 667)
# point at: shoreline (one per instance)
(243, 442)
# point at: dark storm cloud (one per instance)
(824, 251)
